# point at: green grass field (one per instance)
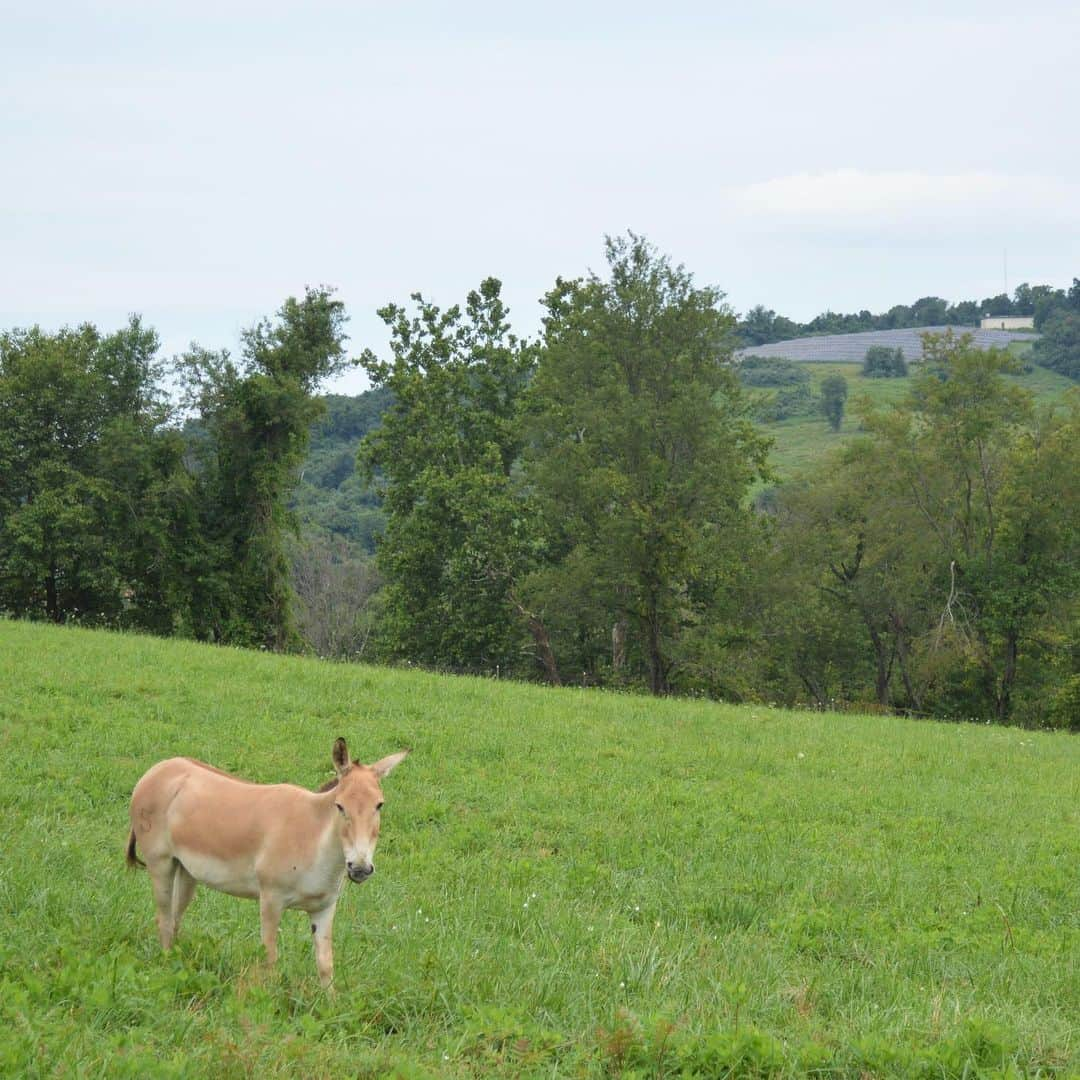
(802, 441)
(571, 883)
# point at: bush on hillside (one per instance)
(834, 392)
(771, 371)
(786, 403)
(881, 362)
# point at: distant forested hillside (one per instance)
(332, 497)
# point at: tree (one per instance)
(94, 500)
(881, 362)
(255, 419)
(761, 325)
(834, 391)
(1059, 347)
(640, 453)
(337, 596)
(458, 533)
(958, 460)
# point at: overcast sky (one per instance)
(199, 162)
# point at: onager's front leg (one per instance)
(322, 928)
(270, 916)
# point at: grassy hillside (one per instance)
(802, 441)
(570, 882)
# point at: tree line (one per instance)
(1045, 304)
(115, 513)
(593, 506)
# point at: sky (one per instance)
(199, 162)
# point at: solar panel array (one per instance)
(851, 348)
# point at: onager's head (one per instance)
(358, 798)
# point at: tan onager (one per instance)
(280, 844)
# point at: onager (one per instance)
(280, 844)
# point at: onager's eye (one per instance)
(341, 809)
(378, 806)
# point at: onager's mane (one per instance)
(330, 784)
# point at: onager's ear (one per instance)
(387, 764)
(341, 757)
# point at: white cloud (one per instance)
(855, 199)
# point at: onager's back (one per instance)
(279, 843)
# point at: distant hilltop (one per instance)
(851, 348)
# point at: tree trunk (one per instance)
(544, 652)
(657, 669)
(52, 600)
(1008, 676)
(618, 645)
(902, 660)
(884, 670)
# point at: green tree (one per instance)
(94, 500)
(834, 391)
(255, 419)
(761, 325)
(459, 532)
(640, 453)
(842, 536)
(1059, 347)
(961, 461)
(881, 362)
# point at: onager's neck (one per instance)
(327, 844)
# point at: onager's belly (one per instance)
(234, 877)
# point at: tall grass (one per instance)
(569, 883)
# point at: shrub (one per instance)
(884, 363)
(771, 371)
(788, 402)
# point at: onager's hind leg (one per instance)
(162, 874)
(182, 891)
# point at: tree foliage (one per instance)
(833, 395)
(950, 533)
(881, 362)
(640, 452)
(94, 501)
(457, 526)
(255, 417)
(1059, 347)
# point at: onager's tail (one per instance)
(133, 860)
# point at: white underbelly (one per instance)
(236, 878)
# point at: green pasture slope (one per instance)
(570, 883)
(802, 441)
